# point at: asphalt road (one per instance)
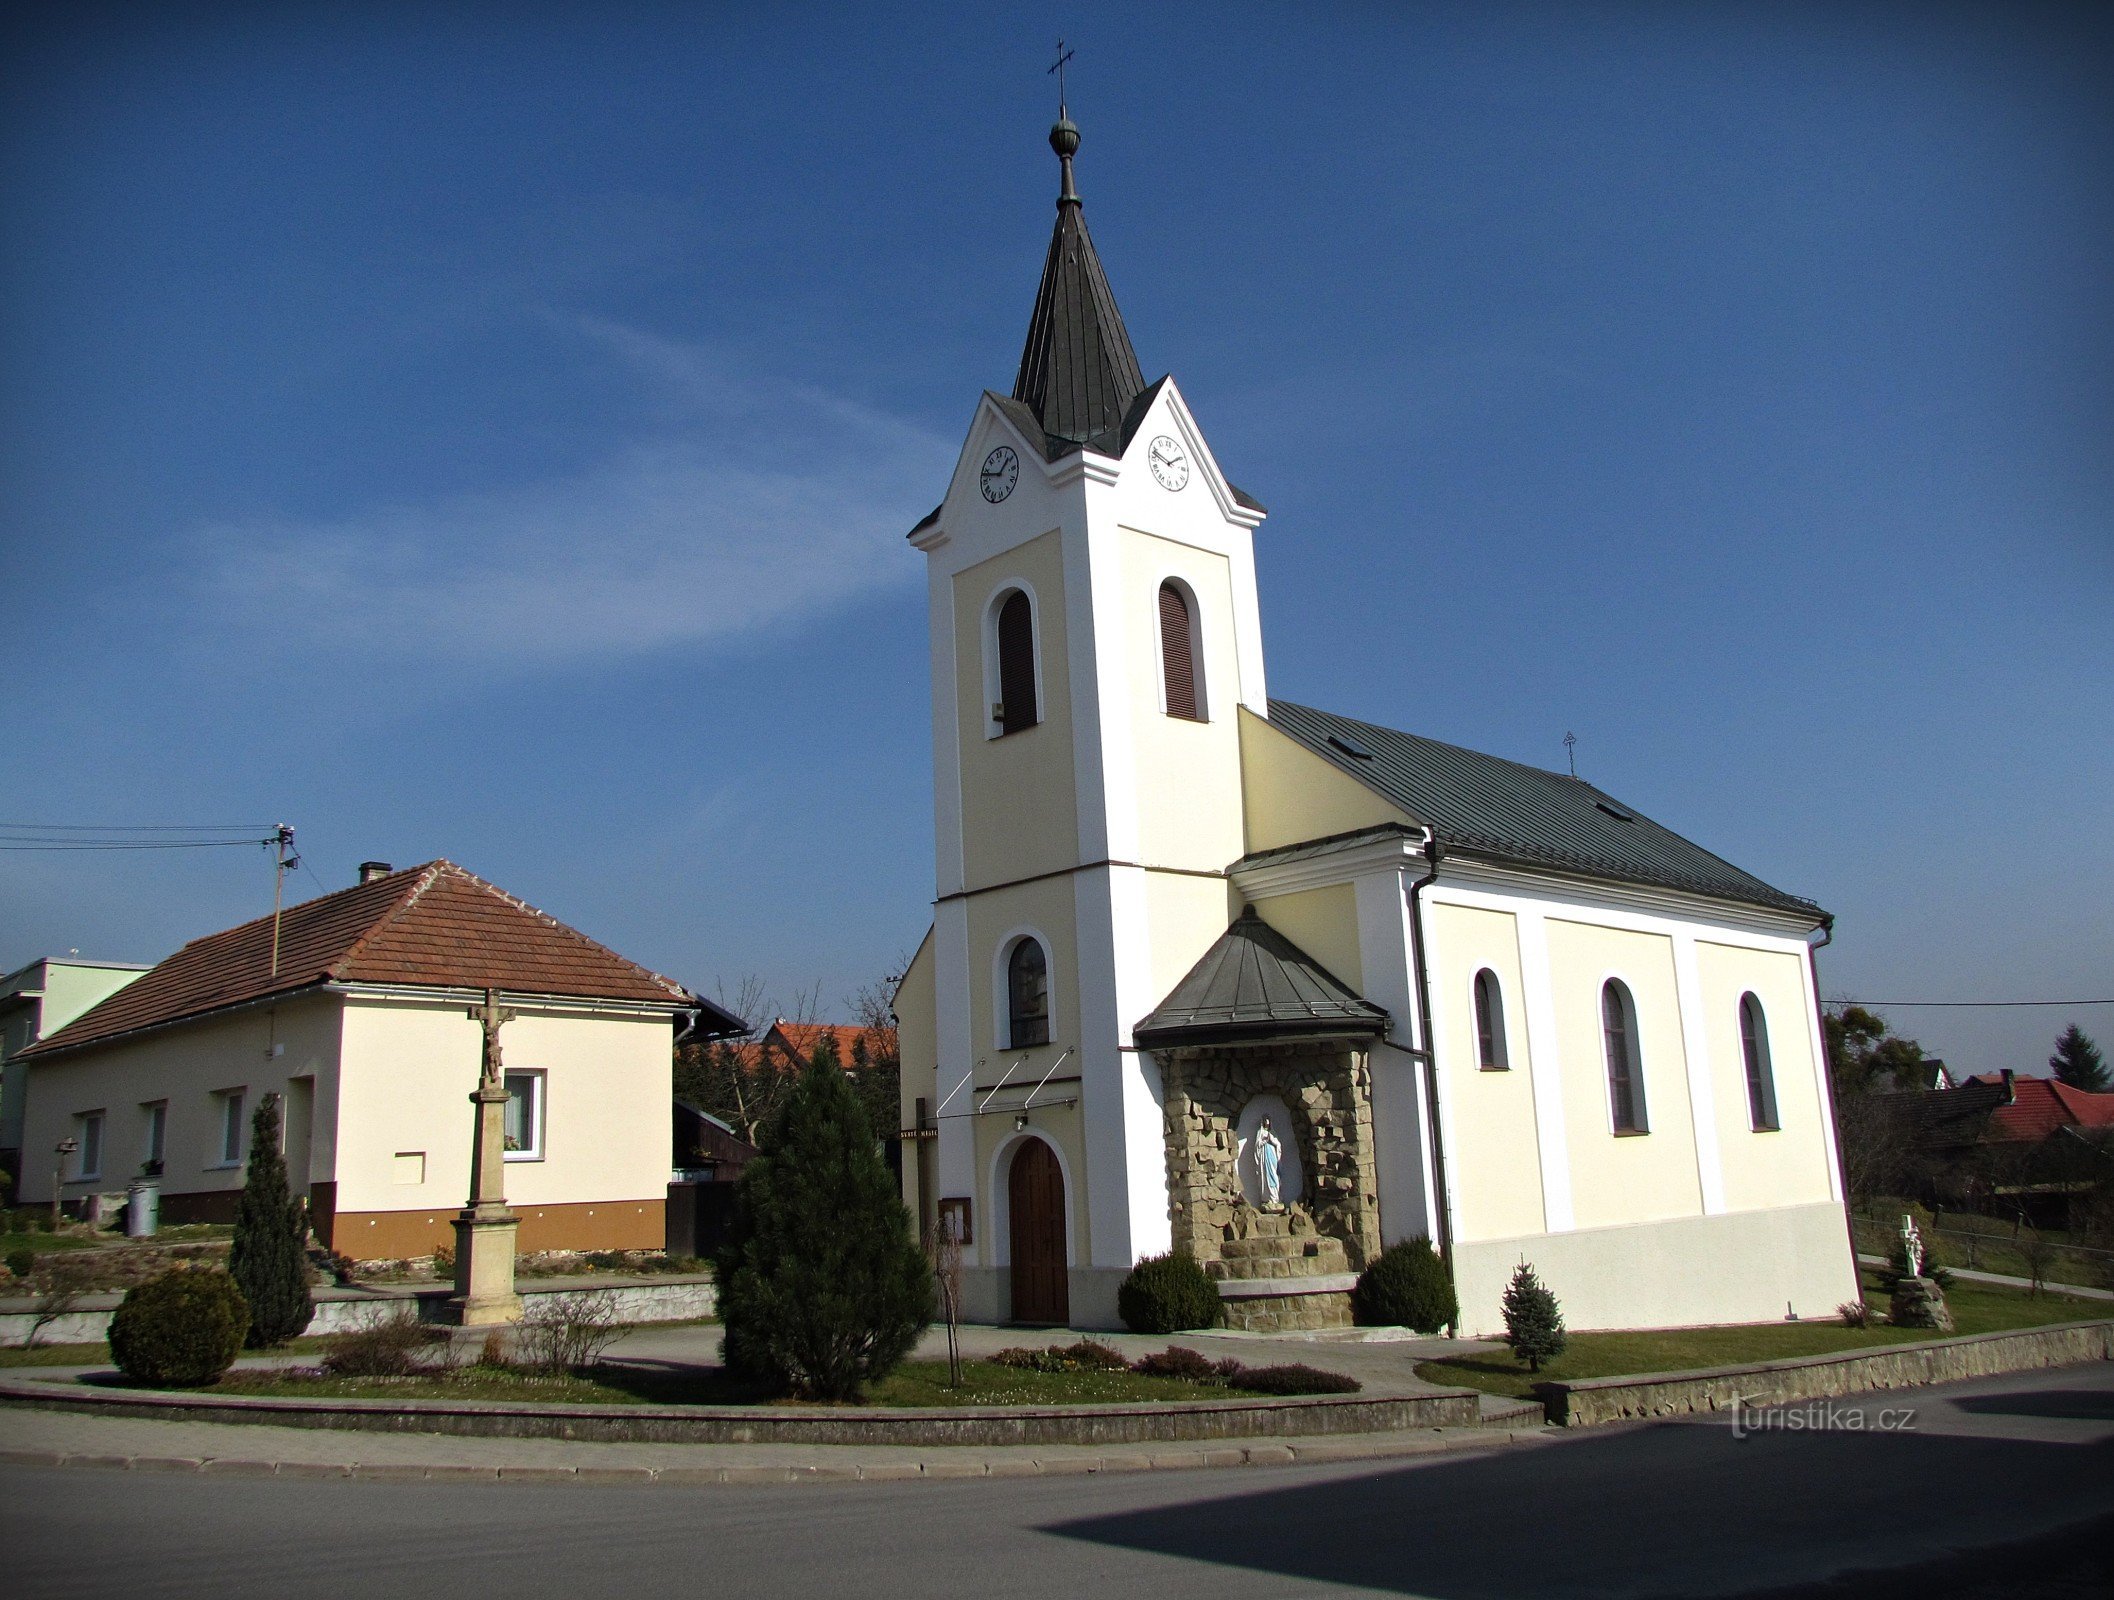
(2001, 1487)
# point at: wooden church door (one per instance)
(1035, 1198)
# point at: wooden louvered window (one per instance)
(1761, 1078)
(1027, 996)
(1178, 663)
(1016, 708)
(1489, 1023)
(1618, 1025)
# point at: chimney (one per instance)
(371, 870)
(2011, 1093)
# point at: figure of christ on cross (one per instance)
(485, 1228)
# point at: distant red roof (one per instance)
(434, 926)
(801, 1039)
(2041, 1105)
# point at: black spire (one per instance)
(1078, 373)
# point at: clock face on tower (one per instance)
(1001, 472)
(1170, 462)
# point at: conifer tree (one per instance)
(821, 1287)
(2078, 1063)
(1533, 1321)
(269, 1261)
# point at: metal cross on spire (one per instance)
(1063, 55)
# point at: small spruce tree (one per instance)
(821, 1287)
(1533, 1320)
(2078, 1063)
(269, 1260)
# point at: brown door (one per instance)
(1035, 1197)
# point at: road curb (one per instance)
(938, 1468)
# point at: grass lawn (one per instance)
(915, 1383)
(1976, 1308)
(98, 1354)
(46, 1244)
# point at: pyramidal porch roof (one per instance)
(1255, 985)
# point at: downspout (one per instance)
(1827, 1083)
(1429, 1041)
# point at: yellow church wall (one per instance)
(1622, 1178)
(1789, 1165)
(1186, 916)
(1493, 1159)
(1019, 803)
(1188, 773)
(1293, 795)
(998, 1142)
(1323, 923)
(1048, 909)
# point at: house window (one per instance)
(1017, 706)
(91, 1138)
(231, 1127)
(1027, 995)
(157, 1115)
(1181, 673)
(1761, 1079)
(1618, 1026)
(524, 1116)
(1490, 1023)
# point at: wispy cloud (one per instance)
(759, 502)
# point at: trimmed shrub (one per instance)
(269, 1258)
(1854, 1314)
(1406, 1287)
(183, 1328)
(1168, 1294)
(822, 1288)
(1179, 1361)
(1533, 1321)
(22, 1261)
(1087, 1355)
(1293, 1378)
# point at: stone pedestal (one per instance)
(1920, 1303)
(484, 1270)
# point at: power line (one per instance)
(1975, 1004)
(134, 844)
(145, 827)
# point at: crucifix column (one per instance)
(484, 1229)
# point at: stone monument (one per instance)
(1918, 1302)
(484, 1229)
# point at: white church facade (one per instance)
(1474, 1001)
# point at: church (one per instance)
(1216, 972)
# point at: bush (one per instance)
(1179, 1361)
(821, 1286)
(1168, 1294)
(269, 1258)
(389, 1347)
(1533, 1321)
(1407, 1287)
(182, 1328)
(1854, 1314)
(1293, 1378)
(22, 1261)
(1085, 1356)
(566, 1332)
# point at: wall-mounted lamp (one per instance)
(1020, 1122)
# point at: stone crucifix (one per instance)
(485, 1228)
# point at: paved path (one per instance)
(2014, 1465)
(1973, 1276)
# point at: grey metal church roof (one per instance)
(1256, 984)
(1486, 806)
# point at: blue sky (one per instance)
(489, 432)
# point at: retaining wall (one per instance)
(1665, 1394)
(659, 1299)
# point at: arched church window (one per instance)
(1017, 707)
(1489, 1023)
(1761, 1077)
(1618, 1027)
(1180, 670)
(1027, 996)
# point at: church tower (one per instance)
(1094, 632)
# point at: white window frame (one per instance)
(156, 1146)
(1002, 987)
(234, 1104)
(1632, 1018)
(90, 1128)
(539, 1111)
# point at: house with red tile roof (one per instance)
(355, 1009)
(856, 1044)
(2007, 1143)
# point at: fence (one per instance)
(2009, 1251)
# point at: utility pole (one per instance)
(283, 838)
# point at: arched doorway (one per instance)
(1035, 1203)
